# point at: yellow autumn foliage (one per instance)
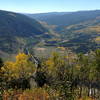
(97, 39)
(22, 67)
(62, 48)
(54, 63)
(95, 29)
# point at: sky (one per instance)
(43, 6)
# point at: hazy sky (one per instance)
(40, 6)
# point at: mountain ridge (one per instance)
(18, 31)
(76, 28)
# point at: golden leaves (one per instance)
(22, 67)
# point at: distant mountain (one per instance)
(17, 31)
(65, 19)
(46, 16)
(83, 36)
(79, 31)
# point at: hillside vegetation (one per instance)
(77, 30)
(55, 56)
(68, 77)
(18, 31)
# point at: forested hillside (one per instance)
(68, 77)
(18, 31)
(79, 31)
(53, 58)
(65, 19)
